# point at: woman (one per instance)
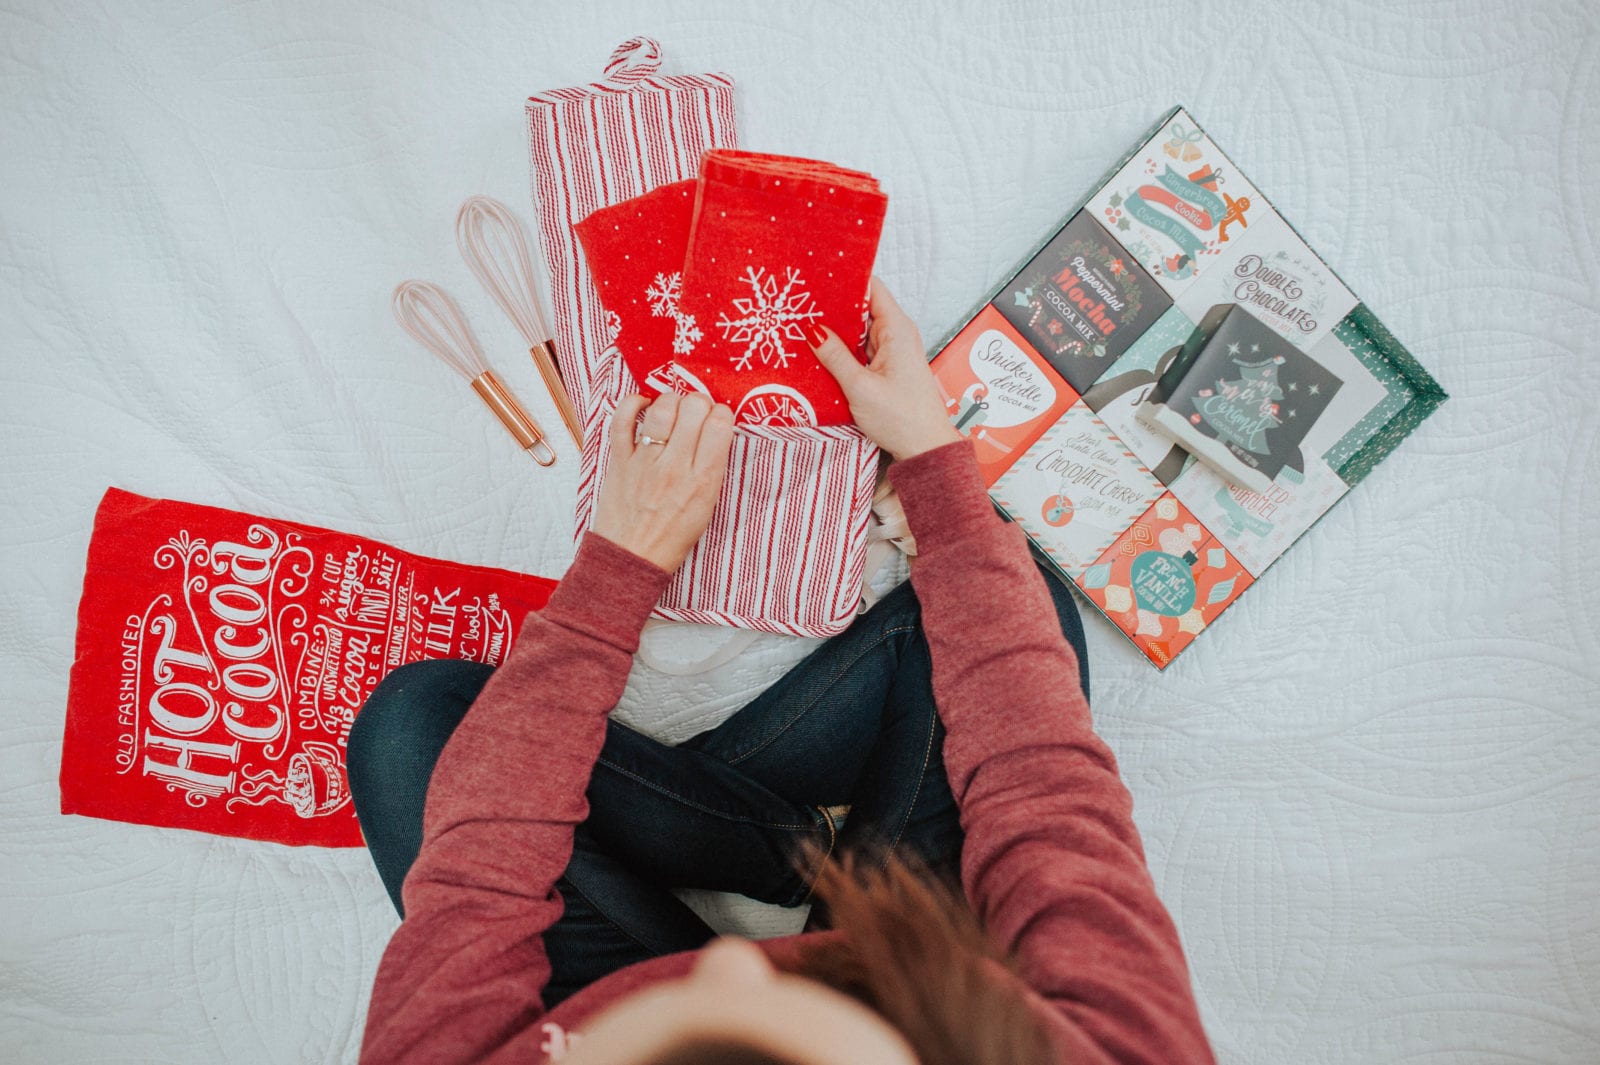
(953, 722)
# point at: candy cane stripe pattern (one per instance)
(786, 548)
(594, 145)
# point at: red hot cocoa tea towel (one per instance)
(222, 657)
(777, 245)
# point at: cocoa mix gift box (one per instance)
(1172, 387)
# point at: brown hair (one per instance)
(912, 951)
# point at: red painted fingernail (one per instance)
(817, 333)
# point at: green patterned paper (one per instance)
(1413, 395)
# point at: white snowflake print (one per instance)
(768, 318)
(613, 326)
(665, 294)
(687, 336)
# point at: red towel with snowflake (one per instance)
(721, 296)
(635, 251)
(786, 548)
(222, 657)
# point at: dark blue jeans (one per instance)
(853, 724)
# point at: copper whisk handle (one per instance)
(499, 399)
(544, 357)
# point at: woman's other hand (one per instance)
(893, 398)
(658, 497)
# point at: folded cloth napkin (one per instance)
(635, 251)
(221, 659)
(779, 244)
(773, 247)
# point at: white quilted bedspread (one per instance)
(1370, 795)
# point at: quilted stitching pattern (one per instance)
(1370, 798)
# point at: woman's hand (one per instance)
(893, 398)
(657, 497)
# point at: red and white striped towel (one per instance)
(786, 548)
(599, 144)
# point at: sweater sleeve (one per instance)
(1052, 864)
(463, 974)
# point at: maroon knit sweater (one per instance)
(1052, 864)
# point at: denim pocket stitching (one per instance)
(803, 895)
(812, 703)
(922, 775)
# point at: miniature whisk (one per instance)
(491, 241)
(428, 314)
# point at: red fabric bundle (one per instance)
(221, 659)
(786, 548)
(636, 250)
(774, 245)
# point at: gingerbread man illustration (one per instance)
(1234, 212)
